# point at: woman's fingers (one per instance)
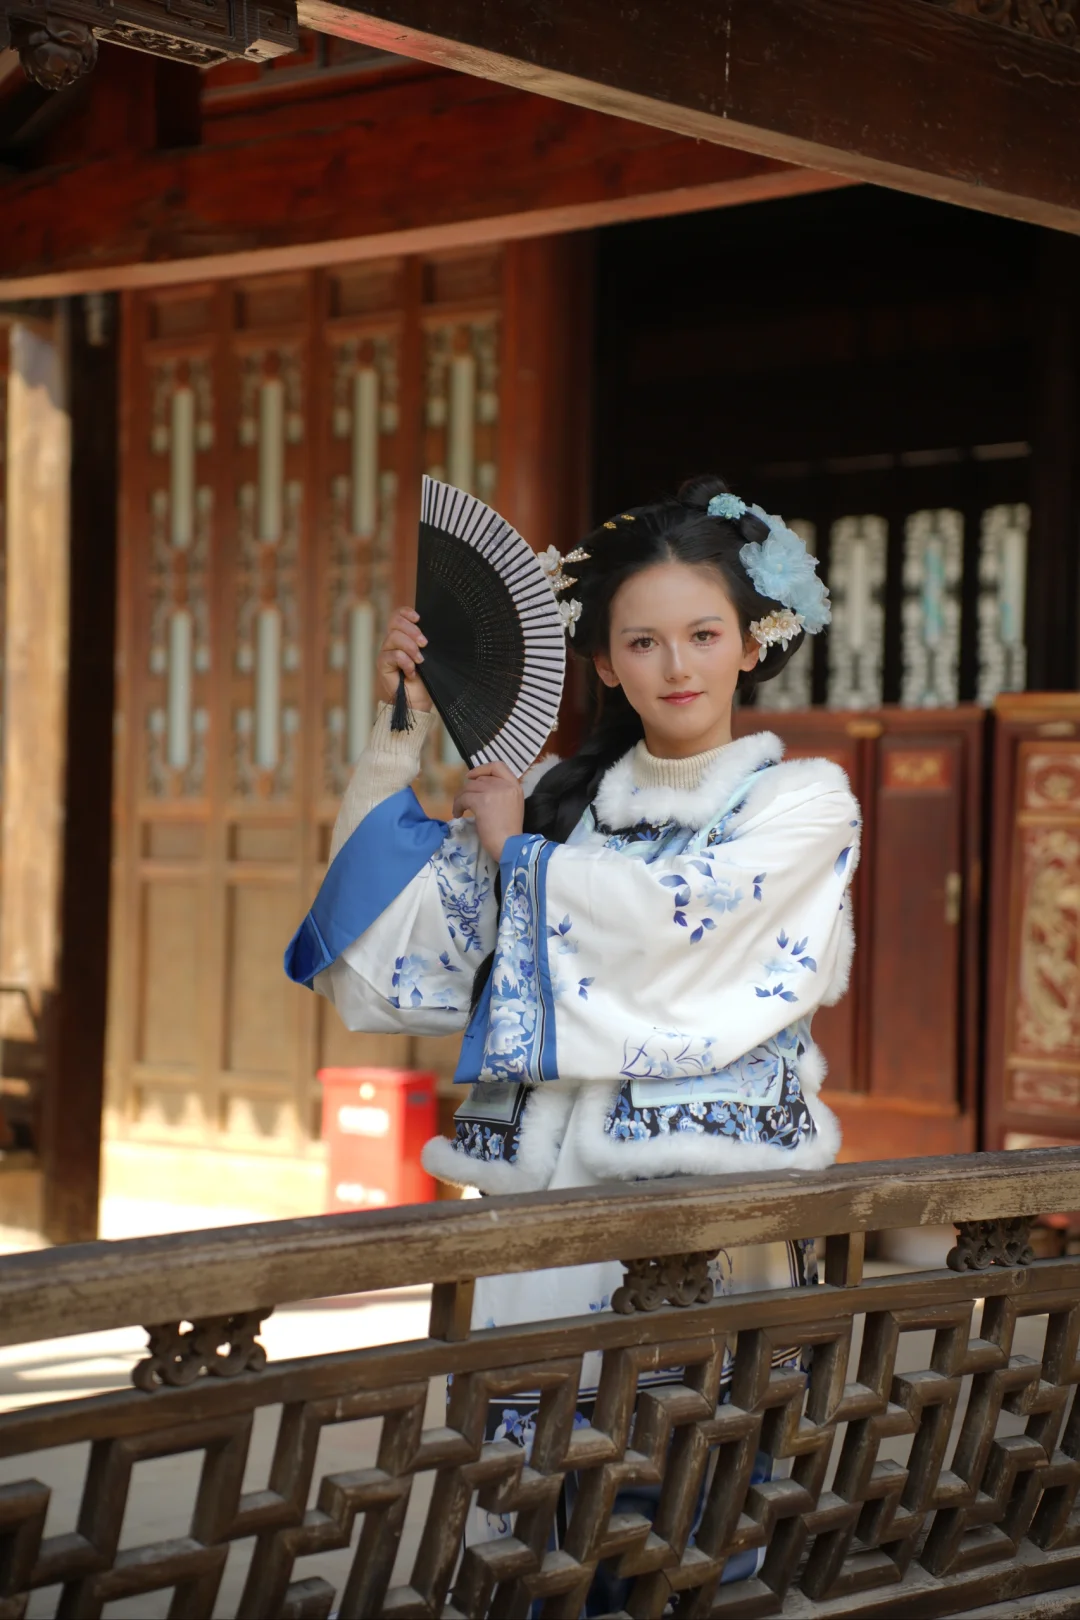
(485, 786)
(400, 642)
(400, 654)
(498, 768)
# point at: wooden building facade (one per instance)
(274, 434)
(566, 311)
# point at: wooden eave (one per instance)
(432, 161)
(913, 94)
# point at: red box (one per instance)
(376, 1121)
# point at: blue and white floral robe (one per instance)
(649, 1007)
(654, 978)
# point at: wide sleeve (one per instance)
(604, 960)
(406, 912)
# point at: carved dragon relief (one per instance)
(58, 45)
(1053, 20)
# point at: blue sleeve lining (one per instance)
(392, 844)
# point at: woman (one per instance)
(636, 940)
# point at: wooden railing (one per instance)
(973, 1516)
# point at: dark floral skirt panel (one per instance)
(487, 1126)
(785, 1124)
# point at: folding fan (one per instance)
(496, 652)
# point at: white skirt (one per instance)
(561, 1291)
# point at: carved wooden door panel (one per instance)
(275, 432)
(901, 1045)
(1033, 1024)
(914, 940)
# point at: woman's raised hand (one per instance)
(495, 797)
(399, 654)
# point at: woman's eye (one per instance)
(704, 636)
(642, 643)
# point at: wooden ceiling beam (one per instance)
(438, 161)
(911, 94)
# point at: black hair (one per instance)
(677, 530)
(674, 530)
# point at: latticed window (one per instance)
(928, 595)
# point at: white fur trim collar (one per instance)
(547, 1109)
(621, 802)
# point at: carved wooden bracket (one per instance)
(221, 1346)
(982, 1244)
(1054, 20)
(57, 45)
(677, 1279)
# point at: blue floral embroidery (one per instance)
(668, 1056)
(465, 894)
(488, 1124)
(840, 863)
(792, 958)
(417, 982)
(785, 1125)
(648, 841)
(565, 946)
(715, 894)
(758, 883)
(518, 1018)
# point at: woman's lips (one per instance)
(681, 697)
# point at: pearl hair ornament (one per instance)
(553, 563)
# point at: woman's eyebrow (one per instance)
(638, 629)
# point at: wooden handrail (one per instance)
(86, 1287)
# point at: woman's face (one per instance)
(677, 652)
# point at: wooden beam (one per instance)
(898, 92)
(187, 1275)
(434, 162)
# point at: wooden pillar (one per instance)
(39, 460)
(58, 733)
(547, 410)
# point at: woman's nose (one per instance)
(674, 666)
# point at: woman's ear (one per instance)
(752, 652)
(602, 665)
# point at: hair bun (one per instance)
(698, 492)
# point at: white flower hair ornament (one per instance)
(552, 561)
(781, 567)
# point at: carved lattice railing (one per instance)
(983, 1509)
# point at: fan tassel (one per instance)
(402, 717)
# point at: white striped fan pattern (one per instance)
(496, 651)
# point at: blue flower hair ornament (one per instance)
(780, 567)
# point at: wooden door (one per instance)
(902, 1044)
(276, 430)
(1033, 1024)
